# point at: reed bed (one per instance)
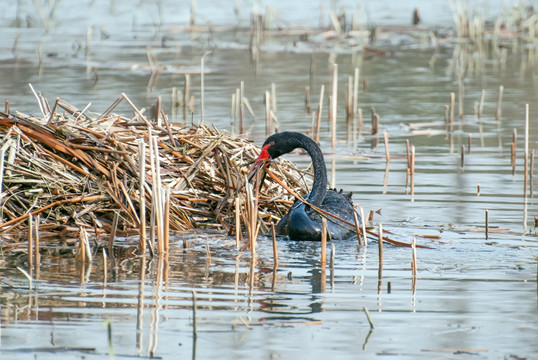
(101, 174)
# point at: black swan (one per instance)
(302, 222)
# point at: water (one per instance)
(473, 296)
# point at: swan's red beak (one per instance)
(264, 159)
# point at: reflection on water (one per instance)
(473, 297)
(239, 301)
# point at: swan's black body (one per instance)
(302, 222)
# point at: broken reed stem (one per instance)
(357, 227)
(513, 151)
(320, 109)
(499, 101)
(370, 321)
(237, 221)
(334, 96)
(323, 243)
(486, 231)
(275, 250)
(142, 191)
(462, 162)
(380, 241)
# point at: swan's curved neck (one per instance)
(319, 187)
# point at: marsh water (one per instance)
(474, 297)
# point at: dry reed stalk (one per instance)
(267, 114)
(355, 99)
(2, 159)
(237, 221)
(6, 106)
(469, 141)
(334, 97)
(357, 227)
(531, 171)
(526, 151)
(451, 112)
(142, 194)
(323, 243)
(363, 222)
(414, 267)
(513, 151)
(166, 225)
(375, 122)
(242, 108)
(380, 242)
(37, 251)
(186, 96)
(477, 189)
(307, 100)
(387, 151)
(275, 250)
(498, 113)
(462, 161)
(30, 245)
(202, 84)
(481, 106)
(412, 170)
(361, 120)
(486, 230)
(273, 98)
(320, 110)
(370, 321)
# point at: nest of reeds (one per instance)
(98, 172)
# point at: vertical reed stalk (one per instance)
(166, 225)
(237, 221)
(186, 97)
(275, 250)
(323, 242)
(202, 73)
(2, 156)
(242, 108)
(414, 266)
(307, 99)
(320, 109)
(363, 222)
(531, 171)
(267, 114)
(380, 241)
(334, 97)
(513, 151)
(387, 152)
(142, 191)
(30, 244)
(37, 250)
(357, 227)
(273, 97)
(499, 102)
(487, 225)
(412, 170)
(481, 106)
(355, 93)
(462, 163)
(526, 154)
(451, 112)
